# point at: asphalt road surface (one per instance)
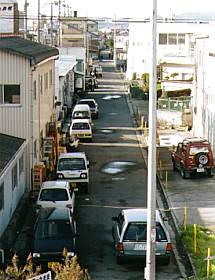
(118, 179)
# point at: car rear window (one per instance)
(54, 230)
(53, 195)
(90, 103)
(81, 115)
(71, 164)
(198, 149)
(138, 232)
(77, 126)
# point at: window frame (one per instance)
(3, 94)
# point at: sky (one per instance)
(120, 8)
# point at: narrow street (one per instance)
(118, 180)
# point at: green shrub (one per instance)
(205, 240)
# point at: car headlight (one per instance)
(70, 254)
(36, 255)
(60, 176)
(83, 175)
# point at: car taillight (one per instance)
(120, 248)
(169, 247)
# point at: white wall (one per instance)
(204, 95)
(12, 197)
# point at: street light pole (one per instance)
(151, 194)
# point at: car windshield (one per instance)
(54, 230)
(71, 164)
(137, 231)
(77, 126)
(53, 195)
(198, 149)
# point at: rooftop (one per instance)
(33, 51)
(9, 147)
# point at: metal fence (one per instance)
(174, 104)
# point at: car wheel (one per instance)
(119, 260)
(174, 166)
(184, 174)
(86, 190)
(166, 261)
(209, 173)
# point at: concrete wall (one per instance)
(173, 118)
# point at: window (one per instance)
(35, 90)
(50, 77)
(9, 94)
(2, 196)
(35, 148)
(73, 25)
(21, 164)
(46, 81)
(172, 39)
(14, 177)
(181, 39)
(41, 84)
(162, 39)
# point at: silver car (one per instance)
(129, 236)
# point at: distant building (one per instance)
(9, 17)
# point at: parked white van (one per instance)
(56, 194)
(74, 167)
(82, 111)
(81, 128)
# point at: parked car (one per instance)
(97, 70)
(81, 128)
(91, 83)
(93, 106)
(56, 194)
(192, 156)
(70, 142)
(54, 231)
(74, 167)
(81, 111)
(129, 236)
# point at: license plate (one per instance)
(200, 169)
(140, 247)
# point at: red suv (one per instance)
(193, 155)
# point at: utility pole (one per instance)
(151, 195)
(26, 19)
(52, 24)
(59, 25)
(38, 25)
(114, 42)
